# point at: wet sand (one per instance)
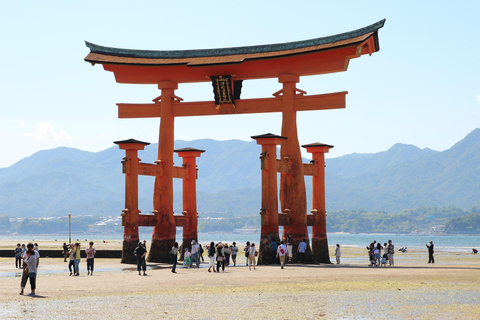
(352, 290)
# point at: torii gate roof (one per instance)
(307, 57)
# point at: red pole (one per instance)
(189, 190)
(163, 235)
(269, 210)
(292, 184)
(319, 231)
(131, 212)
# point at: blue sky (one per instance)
(421, 88)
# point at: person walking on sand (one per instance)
(234, 249)
(251, 256)
(377, 252)
(23, 282)
(200, 252)
(90, 251)
(247, 246)
(430, 252)
(195, 254)
(31, 270)
(187, 259)
(65, 252)
(220, 258)
(140, 253)
(338, 254)
(290, 246)
(227, 251)
(174, 256)
(302, 246)
(71, 263)
(391, 252)
(273, 252)
(211, 257)
(281, 253)
(77, 258)
(18, 256)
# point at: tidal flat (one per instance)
(412, 289)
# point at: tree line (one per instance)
(423, 219)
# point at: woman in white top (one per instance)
(251, 256)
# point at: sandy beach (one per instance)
(352, 290)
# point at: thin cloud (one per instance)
(44, 131)
(478, 97)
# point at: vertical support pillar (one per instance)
(319, 231)
(163, 235)
(269, 210)
(293, 197)
(189, 190)
(131, 212)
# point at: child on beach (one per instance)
(187, 258)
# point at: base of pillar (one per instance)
(160, 251)
(127, 251)
(320, 250)
(264, 253)
(263, 247)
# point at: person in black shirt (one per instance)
(430, 252)
(140, 253)
(65, 252)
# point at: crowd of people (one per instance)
(220, 255)
(379, 255)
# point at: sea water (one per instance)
(451, 243)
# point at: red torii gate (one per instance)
(287, 62)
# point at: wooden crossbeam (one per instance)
(309, 169)
(243, 106)
(150, 220)
(147, 169)
(284, 219)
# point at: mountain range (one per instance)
(66, 180)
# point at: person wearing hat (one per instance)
(140, 253)
(430, 252)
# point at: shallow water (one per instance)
(453, 243)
